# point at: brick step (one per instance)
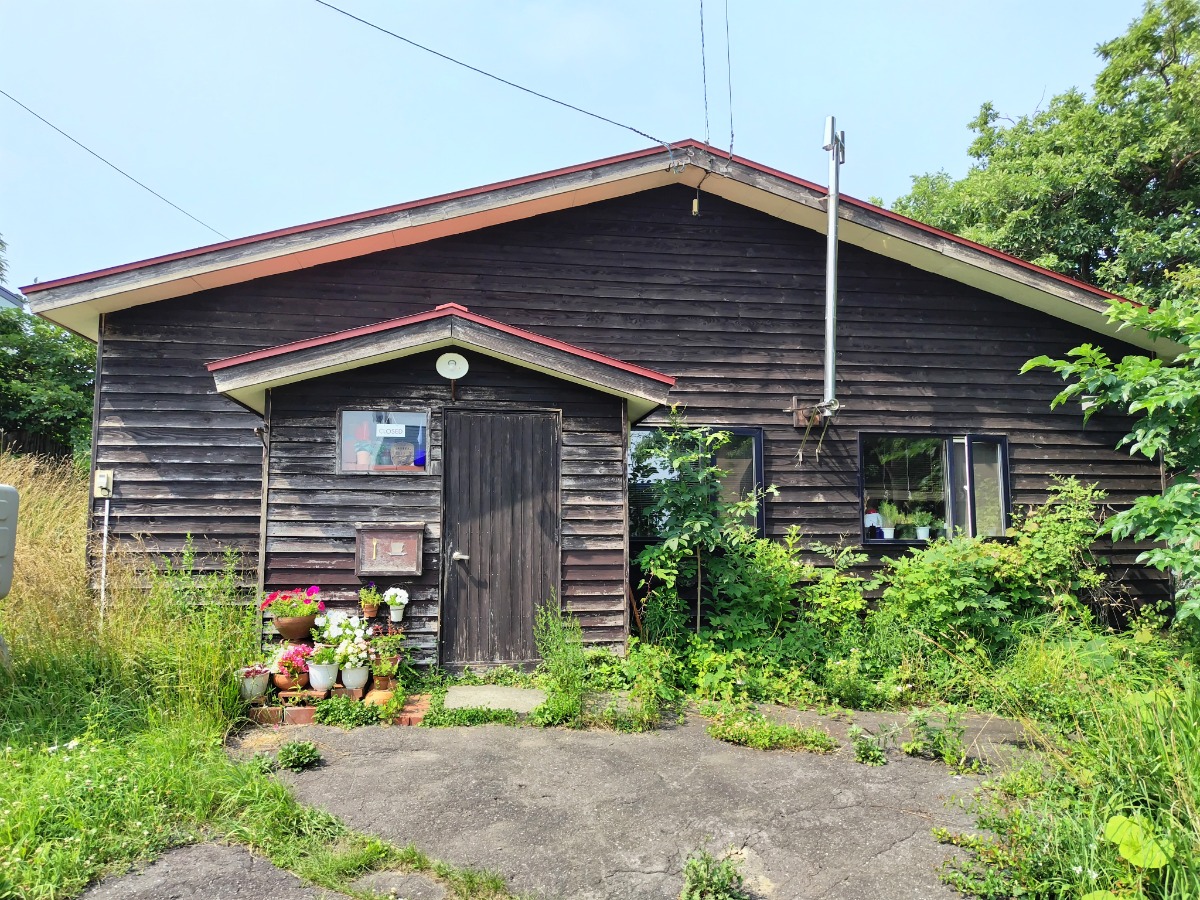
(414, 710)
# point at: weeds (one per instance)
(750, 729)
(707, 878)
(871, 749)
(564, 667)
(346, 712)
(296, 756)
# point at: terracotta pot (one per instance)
(370, 612)
(295, 628)
(287, 683)
(384, 682)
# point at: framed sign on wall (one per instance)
(389, 549)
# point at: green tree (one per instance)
(1105, 188)
(46, 376)
(1164, 396)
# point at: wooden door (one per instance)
(500, 547)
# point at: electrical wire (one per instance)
(729, 73)
(476, 69)
(704, 71)
(112, 166)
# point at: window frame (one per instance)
(999, 440)
(425, 411)
(755, 432)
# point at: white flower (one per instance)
(395, 596)
(1078, 870)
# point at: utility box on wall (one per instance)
(394, 549)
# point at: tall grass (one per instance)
(112, 733)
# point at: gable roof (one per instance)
(78, 301)
(246, 378)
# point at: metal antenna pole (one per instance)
(835, 143)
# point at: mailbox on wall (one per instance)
(394, 549)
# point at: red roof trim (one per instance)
(690, 143)
(441, 312)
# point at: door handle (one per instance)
(458, 556)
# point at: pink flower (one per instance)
(308, 599)
(312, 591)
(321, 605)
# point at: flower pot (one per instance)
(363, 457)
(286, 682)
(396, 612)
(322, 677)
(385, 682)
(355, 678)
(370, 611)
(295, 628)
(889, 534)
(254, 686)
(922, 532)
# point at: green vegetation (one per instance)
(296, 756)
(46, 376)
(560, 643)
(345, 712)
(751, 729)
(871, 749)
(707, 878)
(113, 737)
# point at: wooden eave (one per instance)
(78, 302)
(248, 377)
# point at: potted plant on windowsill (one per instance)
(922, 519)
(368, 598)
(291, 666)
(889, 514)
(323, 668)
(294, 612)
(363, 453)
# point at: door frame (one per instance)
(443, 558)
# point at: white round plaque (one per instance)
(452, 365)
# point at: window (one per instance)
(382, 442)
(917, 487)
(741, 458)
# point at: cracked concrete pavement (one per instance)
(584, 815)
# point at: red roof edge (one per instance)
(689, 144)
(445, 310)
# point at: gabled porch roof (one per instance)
(246, 378)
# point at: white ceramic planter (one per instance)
(322, 677)
(922, 533)
(254, 686)
(396, 612)
(354, 678)
(889, 534)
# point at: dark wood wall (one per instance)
(730, 302)
(311, 509)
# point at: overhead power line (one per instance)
(704, 71)
(112, 166)
(729, 77)
(476, 69)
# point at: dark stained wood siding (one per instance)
(311, 509)
(730, 302)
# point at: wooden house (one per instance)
(441, 395)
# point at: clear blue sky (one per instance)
(259, 114)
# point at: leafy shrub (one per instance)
(708, 878)
(751, 729)
(297, 756)
(563, 670)
(345, 712)
(649, 674)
